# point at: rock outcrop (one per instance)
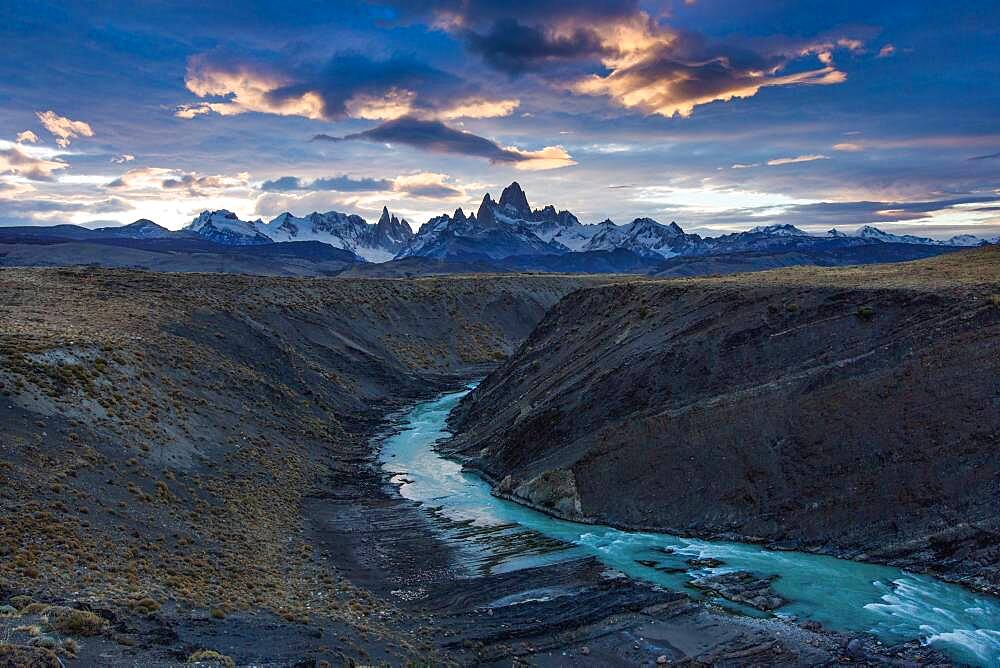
(853, 411)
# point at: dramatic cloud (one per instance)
(17, 162)
(515, 48)
(43, 206)
(886, 51)
(430, 185)
(437, 137)
(796, 159)
(659, 71)
(643, 62)
(26, 137)
(190, 184)
(821, 216)
(337, 183)
(474, 14)
(346, 86)
(62, 128)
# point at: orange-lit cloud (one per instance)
(431, 185)
(550, 157)
(26, 137)
(248, 88)
(370, 90)
(62, 128)
(799, 158)
(155, 180)
(657, 70)
(675, 89)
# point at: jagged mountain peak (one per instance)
(872, 232)
(673, 228)
(225, 227)
(783, 230)
(485, 213)
(392, 231)
(514, 199)
(386, 218)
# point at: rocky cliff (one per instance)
(854, 411)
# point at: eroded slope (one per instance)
(855, 411)
(161, 433)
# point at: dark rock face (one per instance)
(767, 406)
(742, 587)
(391, 233)
(514, 199)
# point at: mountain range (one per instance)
(508, 234)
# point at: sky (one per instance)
(717, 115)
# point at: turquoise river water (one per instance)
(842, 595)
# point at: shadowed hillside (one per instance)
(852, 411)
(160, 435)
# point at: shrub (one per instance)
(36, 657)
(145, 605)
(211, 656)
(34, 609)
(75, 622)
(866, 312)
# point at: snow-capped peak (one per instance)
(966, 240)
(225, 227)
(872, 232)
(784, 230)
(375, 243)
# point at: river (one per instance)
(842, 595)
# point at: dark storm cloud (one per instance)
(335, 183)
(432, 136)
(436, 137)
(485, 12)
(514, 48)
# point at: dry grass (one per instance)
(166, 468)
(22, 656)
(211, 657)
(74, 622)
(974, 268)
